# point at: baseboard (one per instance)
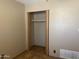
(19, 54)
(38, 46)
(56, 57)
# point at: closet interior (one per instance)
(38, 29)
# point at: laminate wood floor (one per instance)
(35, 53)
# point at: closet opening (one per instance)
(38, 30)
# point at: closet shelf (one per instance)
(38, 21)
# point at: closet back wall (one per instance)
(38, 29)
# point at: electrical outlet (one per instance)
(54, 51)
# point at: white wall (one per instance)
(63, 23)
(12, 28)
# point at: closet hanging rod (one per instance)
(38, 21)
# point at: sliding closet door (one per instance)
(38, 29)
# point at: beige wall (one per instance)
(12, 28)
(63, 23)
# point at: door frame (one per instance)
(46, 30)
